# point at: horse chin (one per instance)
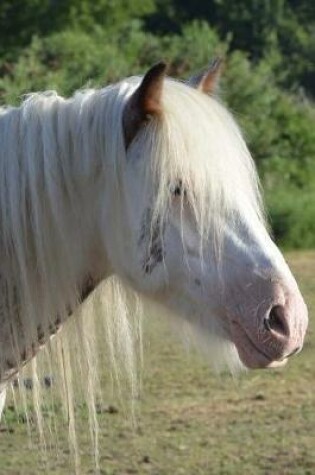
(253, 357)
(257, 360)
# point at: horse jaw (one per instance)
(215, 294)
(229, 301)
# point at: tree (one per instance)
(20, 20)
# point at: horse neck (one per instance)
(57, 254)
(83, 186)
(75, 178)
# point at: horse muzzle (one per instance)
(268, 337)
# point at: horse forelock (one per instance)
(196, 141)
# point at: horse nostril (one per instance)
(276, 321)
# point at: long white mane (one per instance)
(57, 158)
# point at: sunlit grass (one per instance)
(191, 421)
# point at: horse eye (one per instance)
(177, 189)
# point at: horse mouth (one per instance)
(251, 355)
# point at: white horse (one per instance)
(149, 180)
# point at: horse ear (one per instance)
(145, 102)
(207, 81)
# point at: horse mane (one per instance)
(54, 153)
(45, 143)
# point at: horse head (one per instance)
(192, 229)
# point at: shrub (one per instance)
(292, 216)
(278, 126)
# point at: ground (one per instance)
(191, 421)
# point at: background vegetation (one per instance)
(269, 79)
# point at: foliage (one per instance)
(20, 20)
(292, 215)
(258, 27)
(268, 81)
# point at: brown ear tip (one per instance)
(155, 75)
(160, 67)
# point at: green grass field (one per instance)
(191, 421)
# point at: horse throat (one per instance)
(12, 360)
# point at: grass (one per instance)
(191, 421)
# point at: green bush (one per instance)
(72, 59)
(292, 217)
(278, 125)
(21, 20)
